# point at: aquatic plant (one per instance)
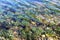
(29, 19)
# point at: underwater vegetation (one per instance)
(29, 19)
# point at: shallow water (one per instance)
(29, 19)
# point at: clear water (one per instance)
(26, 13)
